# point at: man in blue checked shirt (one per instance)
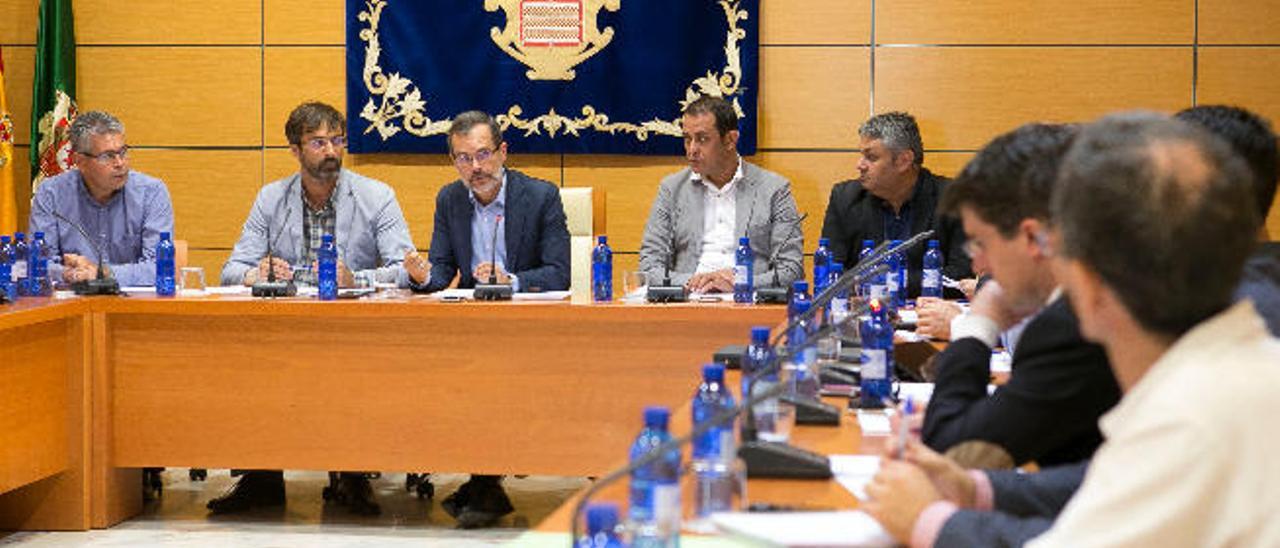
(124, 211)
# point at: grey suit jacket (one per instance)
(1026, 506)
(766, 213)
(372, 236)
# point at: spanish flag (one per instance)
(8, 196)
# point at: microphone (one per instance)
(493, 291)
(101, 285)
(777, 293)
(666, 292)
(272, 288)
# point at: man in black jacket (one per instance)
(894, 198)
(1048, 410)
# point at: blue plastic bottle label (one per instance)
(932, 278)
(740, 274)
(873, 364)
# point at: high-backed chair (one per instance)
(584, 210)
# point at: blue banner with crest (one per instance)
(561, 76)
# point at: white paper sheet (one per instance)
(810, 529)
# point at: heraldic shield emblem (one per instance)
(552, 37)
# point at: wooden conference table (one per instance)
(92, 389)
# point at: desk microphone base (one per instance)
(493, 292)
(814, 412)
(104, 286)
(666, 294)
(771, 295)
(766, 459)
(274, 289)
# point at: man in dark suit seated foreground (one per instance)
(1153, 220)
(490, 207)
(1048, 411)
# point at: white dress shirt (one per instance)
(1191, 456)
(719, 222)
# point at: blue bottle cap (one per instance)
(327, 238)
(713, 372)
(824, 242)
(602, 239)
(19, 235)
(4, 239)
(656, 417)
(601, 517)
(800, 286)
(837, 267)
(897, 242)
(933, 244)
(868, 243)
(38, 235)
(744, 241)
(164, 235)
(760, 334)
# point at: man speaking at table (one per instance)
(295, 212)
(321, 198)
(701, 211)
(491, 222)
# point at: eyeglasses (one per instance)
(110, 156)
(318, 143)
(481, 156)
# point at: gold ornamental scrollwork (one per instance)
(400, 104)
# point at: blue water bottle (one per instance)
(20, 254)
(900, 298)
(799, 293)
(715, 451)
(38, 267)
(931, 279)
(602, 271)
(864, 290)
(655, 488)
(821, 265)
(6, 269)
(602, 527)
(839, 307)
(893, 285)
(327, 278)
(744, 260)
(164, 266)
(758, 358)
(877, 358)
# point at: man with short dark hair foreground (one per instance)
(1154, 219)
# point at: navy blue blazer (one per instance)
(536, 233)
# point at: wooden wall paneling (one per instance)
(168, 22)
(962, 96)
(19, 70)
(630, 183)
(176, 96)
(1034, 22)
(211, 190)
(947, 164)
(22, 183)
(1241, 76)
(813, 97)
(20, 18)
(304, 21)
(295, 75)
(1239, 22)
(812, 175)
(815, 22)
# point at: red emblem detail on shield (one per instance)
(551, 23)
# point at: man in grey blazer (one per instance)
(363, 215)
(701, 211)
(372, 240)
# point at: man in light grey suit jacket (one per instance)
(702, 210)
(368, 227)
(295, 212)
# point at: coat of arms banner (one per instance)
(572, 76)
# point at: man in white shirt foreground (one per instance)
(1154, 219)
